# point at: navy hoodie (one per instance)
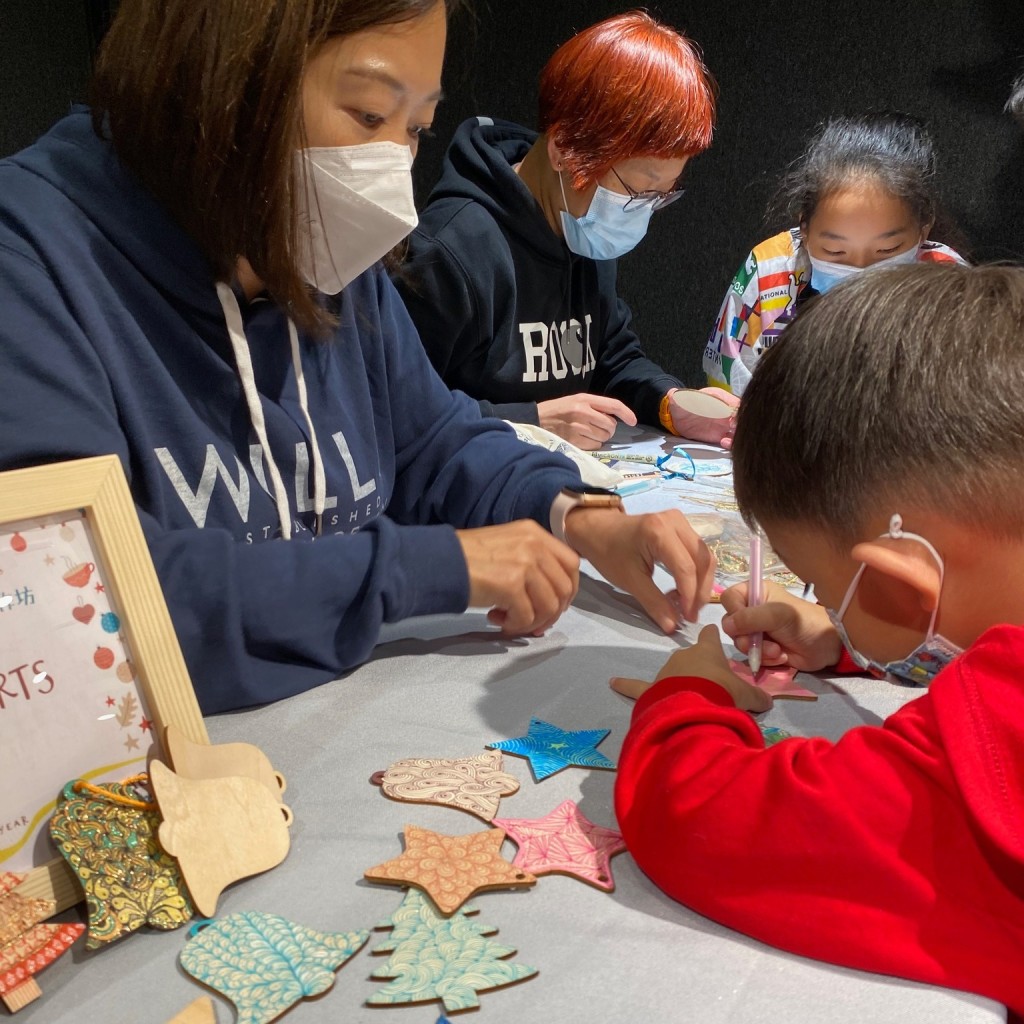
(506, 312)
(113, 340)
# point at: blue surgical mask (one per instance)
(926, 660)
(607, 230)
(826, 275)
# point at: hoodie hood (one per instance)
(479, 167)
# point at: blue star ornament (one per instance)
(550, 749)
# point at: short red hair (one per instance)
(626, 87)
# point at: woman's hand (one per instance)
(624, 549)
(587, 421)
(523, 574)
(704, 660)
(796, 632)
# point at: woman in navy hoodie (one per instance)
(191, 279)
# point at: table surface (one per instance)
(444, 687)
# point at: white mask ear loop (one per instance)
(243, 361)
(319, 478)
(896, 532)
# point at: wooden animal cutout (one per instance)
(27, 945)
(221, 760)
(265, 964)
(220, 830)
(475, 784)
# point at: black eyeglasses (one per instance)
(649, 197)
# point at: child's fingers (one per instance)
(631, 688)
(735, 598)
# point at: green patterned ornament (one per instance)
(446, 958)
(108, 836)
(264, 963)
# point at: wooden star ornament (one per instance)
(450, 869)
(550, 749)
(565, 842)
(778, 681)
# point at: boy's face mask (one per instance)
(926, 660)
(607, 230)
(826, 275)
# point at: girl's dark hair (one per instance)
(202, 99)
(896, 391)
(1015, 104)
(891, 149)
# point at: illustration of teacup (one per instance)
(79, 575)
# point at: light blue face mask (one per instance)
(607, 230)
(926, 660)
(826, 275)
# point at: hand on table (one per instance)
(796, 632)
(705, 660)
(526, 576)
(624, 549)
(587, 421)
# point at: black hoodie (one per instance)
(505, 311)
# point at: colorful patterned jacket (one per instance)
(763, 298)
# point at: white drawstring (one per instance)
(319, 477)
(243, 360)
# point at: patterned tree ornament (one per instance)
(450, 869)
(445, 958)
(264, 963)
(550, 749)
(27, 945)
(474, 784)
(112, 847)
(565, 842)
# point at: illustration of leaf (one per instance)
(264, 963)
(126, 709)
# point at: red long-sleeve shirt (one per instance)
(898, 849)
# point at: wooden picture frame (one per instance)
(92, 491)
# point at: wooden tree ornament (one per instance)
(27, 945)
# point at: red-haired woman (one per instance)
(511, 277)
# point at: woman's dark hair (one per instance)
(202, 99)
(893, 150)
(896, 391)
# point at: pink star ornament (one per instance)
(565, 842)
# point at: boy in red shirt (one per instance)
(898, 491)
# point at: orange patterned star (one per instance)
(450, 869)
(145, 724)
(99, 588)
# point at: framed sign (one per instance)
(90, 668)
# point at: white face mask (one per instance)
(826, 275)
(357, 205)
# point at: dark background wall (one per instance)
(781, 68)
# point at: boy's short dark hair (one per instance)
(900, 389)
